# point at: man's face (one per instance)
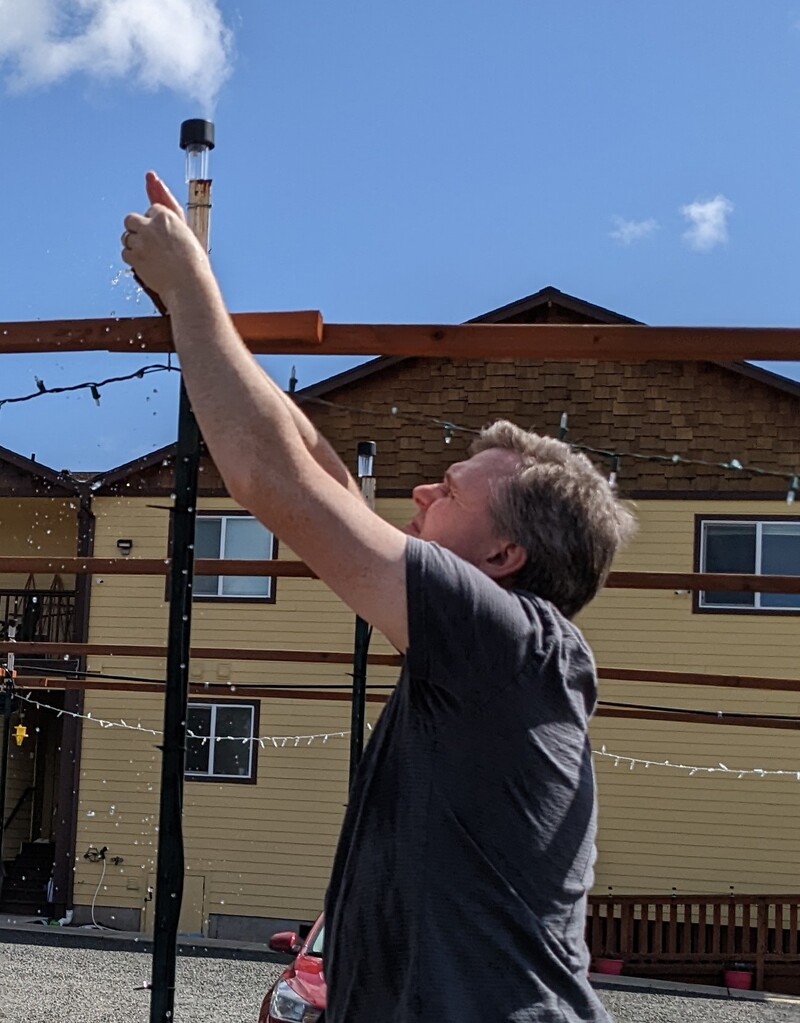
(455, 512)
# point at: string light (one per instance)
(448, 426)
(293, 741)
(612, 455)
(93, 386)
(262, 740)
(693, 769)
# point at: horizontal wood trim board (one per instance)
(789, 685)
(751, 721)
(391, 660)
(301, 332)
(296, 569)
(198, 653)
(344, 695)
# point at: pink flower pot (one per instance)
(612, 967)
(741, 979)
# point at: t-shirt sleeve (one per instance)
(464, 630)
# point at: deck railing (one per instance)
(41, 616)
(712, 930)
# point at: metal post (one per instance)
(363, 631)
(8, 700)
(171, 865)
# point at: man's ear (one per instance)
(507, 560)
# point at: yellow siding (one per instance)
(37, 526)
(265, 849)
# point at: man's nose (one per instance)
(425, 494)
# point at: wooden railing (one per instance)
(45, 616)
(712, 930)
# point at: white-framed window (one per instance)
(219, 741)
(232, 536)
(751, 547)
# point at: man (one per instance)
(458, 891)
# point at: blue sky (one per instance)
(424, 161)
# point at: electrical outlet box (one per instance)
(133, 884)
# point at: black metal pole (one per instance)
(8, 697)
(358, 703)
(197, 139)
(363, 632)
(170, 864)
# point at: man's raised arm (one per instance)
(272, 458)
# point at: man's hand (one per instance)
(159, 245)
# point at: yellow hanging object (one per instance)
(20, 734)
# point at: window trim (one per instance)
(224, 779)
(732, 609)
(239, 598)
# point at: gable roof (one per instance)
(50, 479)
(534, 309)
(537, 307)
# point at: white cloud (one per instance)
(182, 45)
(708, 223)
(627, 231)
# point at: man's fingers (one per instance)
(134, 222)
(160, 195)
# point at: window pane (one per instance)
(207, 537)
(729, 547)
(198, 721)
(232, 757)
(245, 586)
(236, 721)
(246, 538)
(205, 585)
(780, 555)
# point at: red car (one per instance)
(298, 995)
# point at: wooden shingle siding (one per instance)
(693, 409)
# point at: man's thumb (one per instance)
(157, 192)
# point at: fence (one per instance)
(705, 932)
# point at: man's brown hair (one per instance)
(560, 509)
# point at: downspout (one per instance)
(69, 765)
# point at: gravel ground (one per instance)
(54, 984)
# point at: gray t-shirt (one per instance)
(458, 892)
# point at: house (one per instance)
(261, 818)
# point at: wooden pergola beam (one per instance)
(21, 649)
(714, 581)
(304, 333)
(74, 650)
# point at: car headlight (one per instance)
(287, 1004)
